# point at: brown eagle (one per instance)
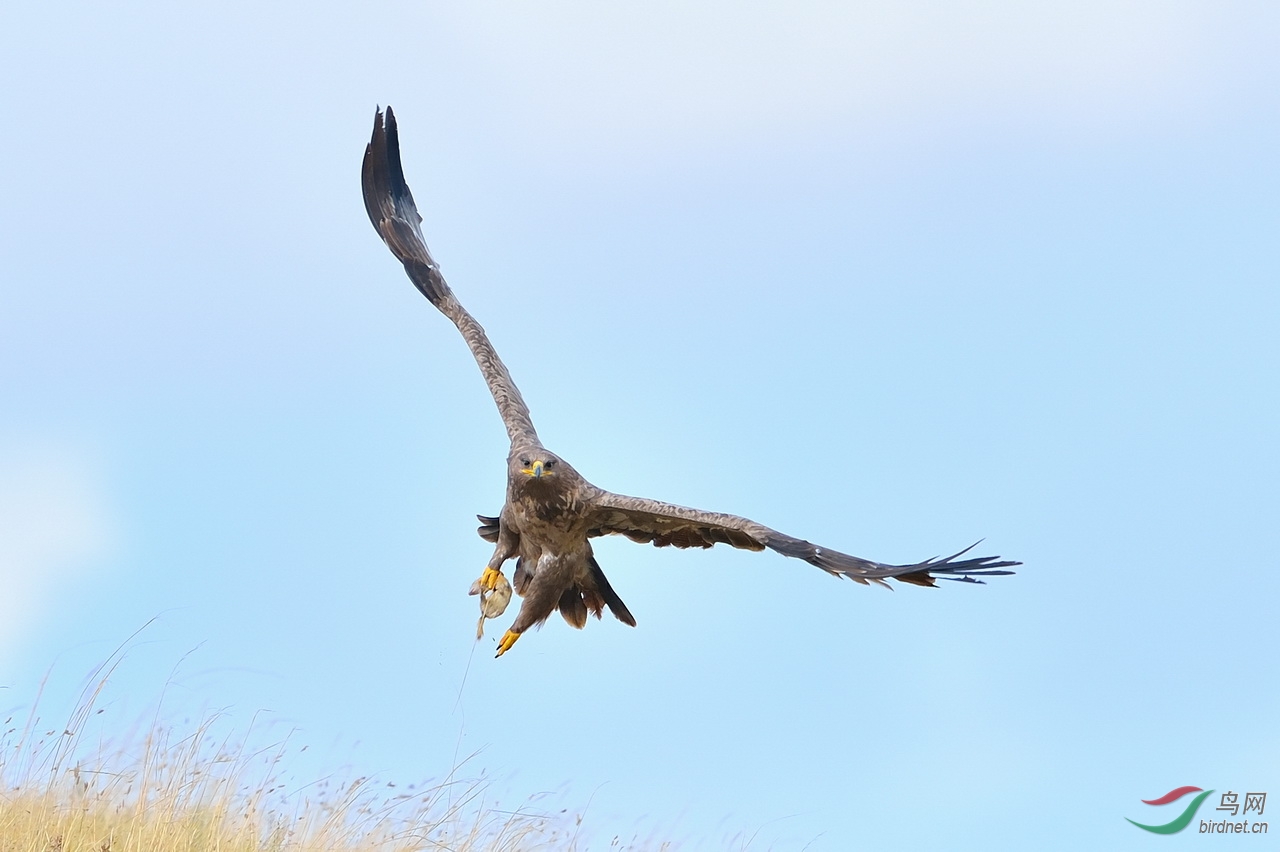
(551, 512)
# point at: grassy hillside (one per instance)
(194, 792)
(199, 790)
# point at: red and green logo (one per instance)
(1183, 819)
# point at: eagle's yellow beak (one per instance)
(535, 470)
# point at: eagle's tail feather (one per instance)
(573, 608)
(615, 604)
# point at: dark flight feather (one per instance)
(390, 206)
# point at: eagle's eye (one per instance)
(525, 462)
(550, 463)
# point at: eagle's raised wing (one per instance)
(395, 217)
(664, 524)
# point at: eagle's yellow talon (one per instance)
(489, 578)
(508, 639)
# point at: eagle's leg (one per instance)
(508, 545)
(550, 577)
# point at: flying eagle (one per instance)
(551, 512)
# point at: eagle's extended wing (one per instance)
(664, 525)
(395, 217)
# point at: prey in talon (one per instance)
(552, 512)
(495, 593)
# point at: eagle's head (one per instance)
(538, 467)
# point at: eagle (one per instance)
(551, 511)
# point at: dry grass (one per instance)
(169, 791)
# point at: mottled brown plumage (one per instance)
(551, 512)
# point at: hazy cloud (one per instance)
(608, 69)
(53, 526)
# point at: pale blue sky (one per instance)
(888, 278)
